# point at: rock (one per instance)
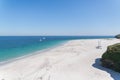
(117, 36)
(111, 58)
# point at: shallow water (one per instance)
(17, 46)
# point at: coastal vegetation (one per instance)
(117, 36)
(111, 58)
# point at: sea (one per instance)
(12, 47)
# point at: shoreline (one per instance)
(73, 60)
(32, 53)
(41, 51)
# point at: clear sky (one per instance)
(59, 17)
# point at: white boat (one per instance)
(40, 40)
(44, 38)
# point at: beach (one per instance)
(74, 60)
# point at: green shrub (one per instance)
(117, 36)
(111, 58)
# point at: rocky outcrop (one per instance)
(117, 36)
(111, 58)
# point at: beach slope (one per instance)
(74, 60)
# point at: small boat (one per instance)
(44, 38)
(40, 40)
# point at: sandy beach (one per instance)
(74, 60)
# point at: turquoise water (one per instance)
(7, 54)
(16, 46)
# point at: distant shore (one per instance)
(73, 60)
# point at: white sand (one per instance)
(75, 60)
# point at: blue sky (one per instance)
(59, 17)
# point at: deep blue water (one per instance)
(17, 46)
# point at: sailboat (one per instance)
(40, 40)
(44, 38)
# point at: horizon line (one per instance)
(57, 35)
